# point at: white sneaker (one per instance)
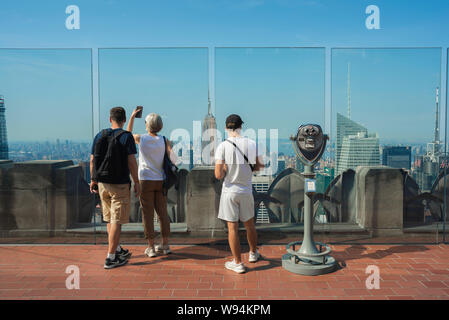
(231, 265)
(150, 252)
(164, 249)
(254, 256)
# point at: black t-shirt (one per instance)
(127, 140)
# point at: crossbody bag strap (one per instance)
(166, 147)
(244, 155)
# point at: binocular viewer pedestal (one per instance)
(309, 264)
(309, 260)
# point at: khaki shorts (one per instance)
(115, 201)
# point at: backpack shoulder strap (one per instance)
(101, 139)
(118, 133)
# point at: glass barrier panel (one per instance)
(388, 144)
(45, 141)
(275, 90)
(173, 83)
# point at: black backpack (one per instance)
(110, 158)
(170, 170)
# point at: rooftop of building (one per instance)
(197, 272)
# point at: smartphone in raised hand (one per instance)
(139, 114)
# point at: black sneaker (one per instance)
(124, 253)
(117, 262)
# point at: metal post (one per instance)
(308, 245)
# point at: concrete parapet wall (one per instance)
(6, 164)
(202, 201)
(51, 196)
(43, 196)
(379, 202)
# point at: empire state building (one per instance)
(209, 137)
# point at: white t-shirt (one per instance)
(238, 177)
(151, 157)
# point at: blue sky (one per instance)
(47, 94)
(393, 91)
(242, 81)
(170, 82)
(223, 22)
(270, 88)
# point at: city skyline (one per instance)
(245, 24)
(69, 92)
(239, 88)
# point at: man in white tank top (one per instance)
(152, 149)
(151, 156)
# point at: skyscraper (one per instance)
(361, 149)
(281, 165)
(346, 127)
(209, 136)
(397, 157)
(437, 118)
(262, 184)
(299, 165)
(349, 90)
(3, 133)
(355, 147)
(428, 166)
(184, 150)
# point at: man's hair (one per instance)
(118, 114)
(233, 122)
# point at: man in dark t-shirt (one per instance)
(127, 141)
(116, 197)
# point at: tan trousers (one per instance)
(152, 198)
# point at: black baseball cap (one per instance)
(233, 122)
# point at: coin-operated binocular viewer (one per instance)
(309, 144)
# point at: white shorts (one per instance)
(236, 206)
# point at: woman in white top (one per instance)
(151, 176)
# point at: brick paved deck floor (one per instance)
(197, 272)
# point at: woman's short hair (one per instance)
(154, 122)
